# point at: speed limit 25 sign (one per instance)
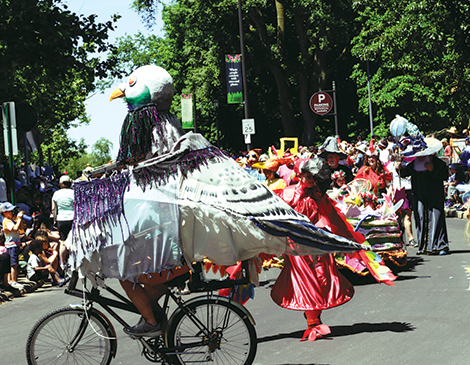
(248, 126)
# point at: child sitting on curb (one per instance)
(37, 269)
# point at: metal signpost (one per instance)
(11, 142)
(248, 128)
(321, 103)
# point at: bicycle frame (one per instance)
(199, 284)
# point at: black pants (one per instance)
(430, 223)
(39, 275)
(5, 266)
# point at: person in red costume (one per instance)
(375, 172)
(312, 283)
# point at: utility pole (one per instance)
(242, 46)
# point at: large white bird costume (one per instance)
(186, 199)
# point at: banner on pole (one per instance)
(233, 68)
(187, 117)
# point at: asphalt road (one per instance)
(423, 319)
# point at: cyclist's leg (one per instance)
(140, 298)
(155, 292)
(154, 288)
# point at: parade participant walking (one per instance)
(333, 155)
(428, 173)
(312, 283)
(375, 172)
(252, 158)
(269, 168)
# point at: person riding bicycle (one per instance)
(182, 197)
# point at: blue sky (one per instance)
(107, 117)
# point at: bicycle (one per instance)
(207, 328)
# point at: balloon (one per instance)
(398, 126)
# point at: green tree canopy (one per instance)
(101, 152)
(420, 56)
(48, 59)
(293, 50)
(418, 52)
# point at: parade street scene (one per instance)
(421, 320)
(234, 182)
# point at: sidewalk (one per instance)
(29, 287)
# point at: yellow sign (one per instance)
(294, 150)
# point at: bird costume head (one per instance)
(149, 128)
(147, 85)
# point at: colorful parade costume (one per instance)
(427, 173)
(187, 199)
(312, 283)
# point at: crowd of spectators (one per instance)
(30, 242)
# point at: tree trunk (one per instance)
(282, 81)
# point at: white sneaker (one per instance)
(16, 285)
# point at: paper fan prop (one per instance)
(355, 188)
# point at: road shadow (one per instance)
(356, 328)
(411, 264)
(269, 283)
(339, 331)
(456, 252)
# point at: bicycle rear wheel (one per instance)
(50, 339)
(230, 337)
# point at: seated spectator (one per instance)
(457, 176)
(37, 268)
(50, 247)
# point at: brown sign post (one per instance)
(321, 103)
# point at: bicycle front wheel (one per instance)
(215, 331)
(52, 340)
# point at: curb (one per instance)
(454, 213)
(29, 287)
